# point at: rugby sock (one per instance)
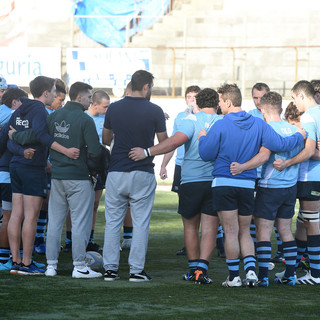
(314, 255)
(41, 227)
(249, 263)
(301, 248)
(233, 267)
(68, 237)
(220, 238)
(193, 264)
(279, 241)
(290, 256)
(264, 257)
(203, 265)
(91, 239)
(127, 232)
(4, 255)
(253, 232)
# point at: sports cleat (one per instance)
(126, 244)
(278, 258)
(31, 270)
(111, 275)
(139, 277)
(51, 270)
(201, 278)
(68, 247)
(40, 249)
(6, 266)
(92, 246)
(236, 282)
(263, 282)
(308, 279)
(15, 268)
(251, 279)
(182, 252)
(189, 276)
(280, 275)
(85, 272)
(304, 264)
(290, 281)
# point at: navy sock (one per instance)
(193, 264)
(127, 232)
(220, 238)
(41, 227)
(314, 255)
(203, 265)
(290, 256)
(279, 241)
(301, 248)
(264, 257)
(68, 237)
(253, 232)
(233, 267)
(249, 263)
(4, 255)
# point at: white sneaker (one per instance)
(85, 272)
(236, 282)
(308, 279)
(51, 270)
(251, 279)
(126, 244)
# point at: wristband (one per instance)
(146, 152)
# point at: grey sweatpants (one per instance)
(78, 195)
(138, 189)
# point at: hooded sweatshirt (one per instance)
(32, 114)
(237, 138)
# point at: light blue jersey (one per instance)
(98, 121)
(271, 177)
(5, 114)
(258, 114)
(180, 150)
(193, 168)
(50, 110)
(310, 121)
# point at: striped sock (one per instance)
(279, 242)
(220, 238)
(127, 232)
(249, 263)
(203, 265)
(314, 255)
(233, 267)
(301, 248)
(193, 264)
(41, 227)
(4, 255)
(264, 257)
(253, 232)
(290, 256)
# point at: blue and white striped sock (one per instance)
(233, 267)
(264, 257)
(279, 241)
(290, 256)
(301, 249)
(314, 255)
(4, 255)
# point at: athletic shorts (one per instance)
(308, 190)
(228, 198)
(272, 203)
(195, 198)
(29, 181)
(100, 184)
(5, 192)
(176, 179)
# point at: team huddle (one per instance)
(231, 167)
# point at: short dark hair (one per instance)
(260, 86)
(13, 94)
(231, 92)
(207, 98)
(60, 86)
(306, 87)
(192, 89)
(292, 112)
(41, 84)
(272, 99)
(141, 78)
(98, 95)
(77, 88)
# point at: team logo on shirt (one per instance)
(20, 122)
(62, 128)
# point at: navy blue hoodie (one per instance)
(237, 138)
(32, 114)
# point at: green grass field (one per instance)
(165, 297)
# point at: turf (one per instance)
(165, 297)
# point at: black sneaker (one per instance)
(182, 252)
(68, 247)
(111, 275)
(139, 277)
(92, 246)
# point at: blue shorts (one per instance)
(195, 198)
(100, 184)
(272, 203)
(5, 192)
(29, 181)
(176, 179)
(308, 190)
(228, 198)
